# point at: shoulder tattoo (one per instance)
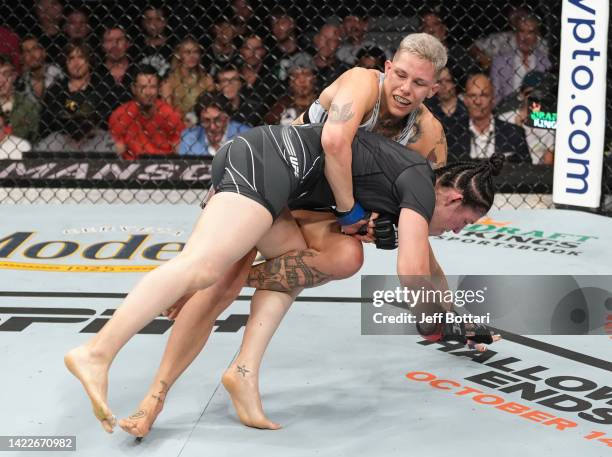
(439, 153)
(417, 130)
(340, 114)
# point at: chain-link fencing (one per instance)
(117, 102)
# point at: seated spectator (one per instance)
(485, 49)
(243, 18)
(216, 127)
(326, 43)
(481, 134)
(371, 57)
(540, 141)
(518, 98)
(48, 30)
(80, 133)
(509, 69)
(353, 31)
(282, 44)
(146, 125)
(76, 25)
(115, 71)
(11, 147)
(230, 85)
(9, 45)
(155, 47)
(460, 63)
(187, 78)
(445, 105)
(327, 65)
(257, 81)
(21, 113)
(223, 49)
(252, 56)
(80, 86)
(302, 92)
(38, 75)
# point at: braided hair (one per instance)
(473, 179)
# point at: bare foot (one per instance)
(93, 374)
(241, 384)
(139, 424)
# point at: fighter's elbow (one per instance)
(334, 143)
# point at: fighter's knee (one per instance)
(347, 258)
(199, 273)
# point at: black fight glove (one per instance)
(385, 231)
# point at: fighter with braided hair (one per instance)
(256, 176)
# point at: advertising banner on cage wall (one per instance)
(581, 103)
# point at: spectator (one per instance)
(216, 127)
(115, 71)
(79, 87)
(541, 142)
(38, 75)
(223, 49)
(326, 43)
(445, 105)
(256, 79)
(509, 69)
(231, 86)
(482, 135)
(11, 147)
(9, 45)
(252, 69)
(146, 125)
(187, 79)
(243, 18)
(81, 133)
(155, 47)
(48, 30)
(485, 49)
(282, 44)
(302, 92)
(21, 113)
(371, 57)
(518, 98)
(76, 25)
(353, 30)
(459, 61)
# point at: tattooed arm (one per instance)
(355, 94)
(429, 139)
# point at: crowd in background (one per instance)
(66, 88)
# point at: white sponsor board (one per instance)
(581, 103)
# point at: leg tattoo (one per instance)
(287, 273)
(243, 370)
(138, 414)
(161, 395)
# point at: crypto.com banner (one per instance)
(581, 103)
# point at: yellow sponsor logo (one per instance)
(76, 268)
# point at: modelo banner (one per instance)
(581, 103)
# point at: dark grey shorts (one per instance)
(249, 165)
